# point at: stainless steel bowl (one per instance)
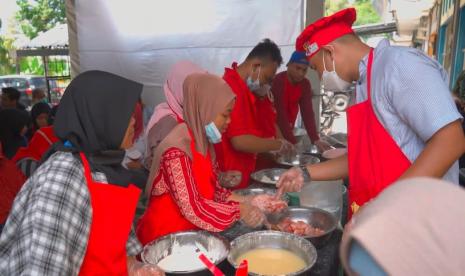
(297, 160)
(272, 218)
(255, 191)
(217, 248)
(268, 176)
(276, 240)
(315, 217)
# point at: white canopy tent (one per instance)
(141, 39)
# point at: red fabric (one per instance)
(267, 125)
(244, 121)
(39, 144)
(139, 124)
(113, 209)
(267, 117)
(288, 98)
(188, 200)
(292, 94)
(375, 160)
(325, 30)
(11, 181)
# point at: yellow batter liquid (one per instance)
(270, 261)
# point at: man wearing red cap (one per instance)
(292, 90)
(403, 123)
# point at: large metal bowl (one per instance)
(268, 176)
(255, 191)
(271, 217)
(315, 217)
(217, 249)
(297, 160)
(276, 240)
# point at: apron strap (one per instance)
(370, 64)
(87, 171)
(44, 136)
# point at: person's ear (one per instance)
(329, 50)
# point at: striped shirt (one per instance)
(410, 96)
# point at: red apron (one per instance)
(113, 209)
(375, 159)
(163, 215)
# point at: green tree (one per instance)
(40, 15)
(366, 14)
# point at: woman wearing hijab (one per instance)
(13, 128)
(415, 227)
(168, 114)
(185, 193)
(74, 214)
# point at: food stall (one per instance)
(142, 41)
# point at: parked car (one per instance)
(25, 84)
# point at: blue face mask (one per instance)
(213, 134)
(254, 85)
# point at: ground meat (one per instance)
(268, 203)
(299, 228)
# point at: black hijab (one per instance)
(93, 116)
(37, 110)
(12, 122)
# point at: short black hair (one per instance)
(266, 49)
(12, 93)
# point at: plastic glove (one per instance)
(268, 203)
(136, 268)
(230, 179)
(286, 149)
(290, 181)
(323, 145)
(251, 215)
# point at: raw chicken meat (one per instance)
(299, 228)
(268, 203)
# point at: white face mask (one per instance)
(331, 81)
(263, 91)
(254, 85)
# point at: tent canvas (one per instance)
(141, 39)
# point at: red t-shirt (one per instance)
(266, 117)
(244, 121)
(288, 98)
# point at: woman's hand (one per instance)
(251, 215)
(136, 268)
(230, 179)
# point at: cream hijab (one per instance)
(205, 96)
(414, 227)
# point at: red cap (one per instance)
(325, 30)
